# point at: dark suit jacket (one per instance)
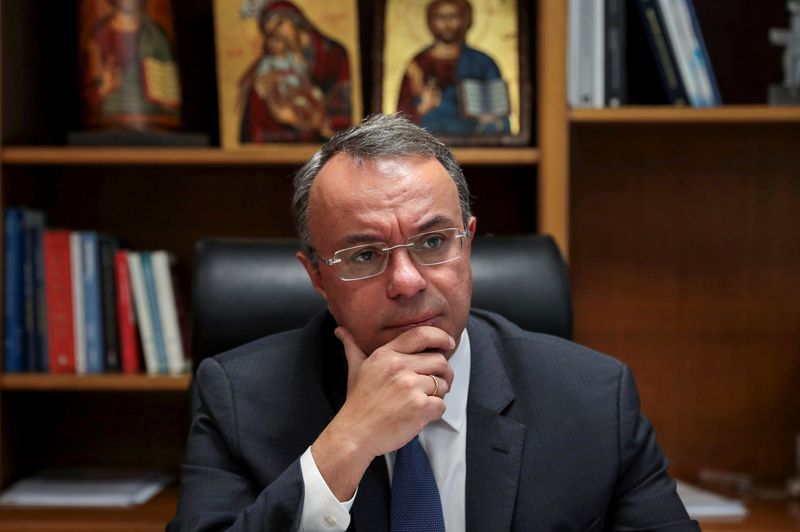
(555, 439)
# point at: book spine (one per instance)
(58, 295)
(92, 303)
(32, 227)
(586, 54)
(130, 353)
(700, 53)
(14, 321)
(41, 302)
(656, 33)
(155, 315)
(79, 318)
(29, 295)
(109, 306)
(616, 44)
(598, 53)
(680, 43)
(168, 312)
(143, 313)
(573, 53)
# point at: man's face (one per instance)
(447, 23)
(389, 200)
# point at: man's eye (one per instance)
(432, 242)
(363, 256)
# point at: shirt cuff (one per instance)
(321, 509)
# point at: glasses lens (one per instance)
(361, 261)
(436, 247)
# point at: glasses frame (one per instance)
(389, 249)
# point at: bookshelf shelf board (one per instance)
(152, 515)
(672, 114)
(270, 155)
(101, 382)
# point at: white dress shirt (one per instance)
(444, 441)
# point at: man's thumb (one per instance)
(355, 356)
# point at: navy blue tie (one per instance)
(415, 498)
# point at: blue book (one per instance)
(40, 295)
(32, 230)
(155, 315)
(14, 321)
(92, 302)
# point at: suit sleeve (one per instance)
(645, 496)
(216, 491)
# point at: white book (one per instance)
(703, 503)
(86, 488)
(697, 61)
(598, 11)
(168, 312)
(679, 41)
(573, 54)
(586, 54)
(79, 318)
(142, 309)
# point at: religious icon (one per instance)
(282, 77)
(129, 74)
(461, 78)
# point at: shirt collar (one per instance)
(456, 399)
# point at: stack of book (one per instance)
(77, 303)
(609, 62)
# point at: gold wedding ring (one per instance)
(435, 385)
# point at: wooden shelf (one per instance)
(673, 114)
(284, 154)
(110, 382)
(150, 516)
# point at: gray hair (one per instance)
(377, 136)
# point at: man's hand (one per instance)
(388, 402)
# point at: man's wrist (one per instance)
(322, 510)
(341, 461)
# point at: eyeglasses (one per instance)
(425, 249)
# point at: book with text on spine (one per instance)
(58, 295)
(143, 316)
(129, 345)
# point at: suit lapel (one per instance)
(494, 442)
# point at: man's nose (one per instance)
(405, 279)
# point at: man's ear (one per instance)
(473, 223)
(313, 274)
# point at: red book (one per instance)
(130, 352)
(58, 297)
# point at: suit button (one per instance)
(330, 520)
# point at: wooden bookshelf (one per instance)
(104, 382)
(151, 516)
(269, 155)
(753, 114)
(682, 243)
(169, 198)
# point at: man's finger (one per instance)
(423, 338)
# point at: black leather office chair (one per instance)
(245, 289)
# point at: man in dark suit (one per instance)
(400, 408)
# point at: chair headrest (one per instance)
(245, 289)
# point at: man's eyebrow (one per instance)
(354, 239)
(438, 220)
(360, 238)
